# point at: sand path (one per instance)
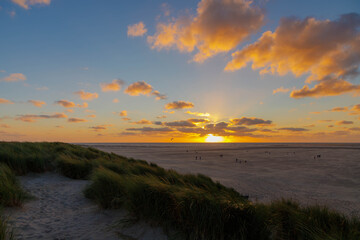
(60, 211)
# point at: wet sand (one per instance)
(271, 171)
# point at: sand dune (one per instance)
(60, 211)
(272, 171)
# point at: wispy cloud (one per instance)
(143, 121)
(250, 121)
(65, 103)
(344, 122)
(100, 127)
(37, 103)
(199, 114)
(114, 86)
(5, 101)
(136, 30)
(293, 129)
(76, 120)
(281, 90)
(86, 95)
(14, 77)
(27, 3)
(33, 117)
(143, 88)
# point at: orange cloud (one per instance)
(37, 103)
(292, 129)
(26, 3)
(65, 103)
(326, 50)
(4, 126)
(344, 122)
(219, 26)
(33, 118)
(281, 90)
(14, 77)
(84, 105)
(100, 127)
(326, 88)
(158, 96)
(339, 109)
(115, 85)
(91, 116)
(136, 30)
(199, 114)
(5, 101)
(76, 120)
(143, 121)
(86, 95)
(179, 105)
(115, 100)
(137, 88)
(123, 113)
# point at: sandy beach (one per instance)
(271, 171)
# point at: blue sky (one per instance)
(65, 46)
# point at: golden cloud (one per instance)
(344, 122)
(326, 50)
(76, 120)
(5, 101)
(179, 105)
(136, 30)
(91, 116)
(26, 3)
(115, 85)
(84, 105)
(123, 113)
(199, 114)
(65, 103)
(37, 103)
(33, 118)
(339, 109)
(219, 26)
(137, 88)
(100, 127)
(281, 90)
(14, 77)
(86, 95)
(143, 121)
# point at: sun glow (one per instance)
(212, 138)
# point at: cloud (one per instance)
(199, 114)
(4, 126)
(91, 116)
(158, 95)
(33, 118)
(100, 127)
(5, 101)
(126, 119)
(198, 120)
(179, 105)
(338, 109)
(356, 108)
(250, 121)
(114, 86)
(84, 105)
(281, 90)
(143, 88)
(180, 124)
(137, 88)
(86, 95)
(292, 129)
(115, 100)
(143, 121)
(26, 3)
(325, 50)
(161, 117)
(325, 121)
(76, 120)
(150, 129)
(344, 122)
(65, 103)
(315, 112)
(42, 88)
(218, 26)
(37, 103)
(354, 129)
(14, 77)
(136, 30)
(326, 88)
(123, 113)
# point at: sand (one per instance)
(272, 171)
(60, 211)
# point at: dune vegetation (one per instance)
(186, 206)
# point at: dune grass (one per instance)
(192, 206)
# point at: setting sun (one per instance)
(212, 138)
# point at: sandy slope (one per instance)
(60, 211)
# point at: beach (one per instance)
(326, 174)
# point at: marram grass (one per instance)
(186, 206)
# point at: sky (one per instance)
(180, 71)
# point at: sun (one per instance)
(212, 138)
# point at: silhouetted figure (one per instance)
(221, 155)
(195, 157)
(245, 161)
(200, 158)
(236, 160)
(319, 156)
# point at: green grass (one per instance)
(192, 206)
